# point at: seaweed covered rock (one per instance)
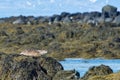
(97, 71)
(67, 75)
(17, 67)
(114, 76)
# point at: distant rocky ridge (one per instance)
(109, 14)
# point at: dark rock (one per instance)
(49, 36)
(109, 11)
(97, 70)
(95, 14)
(31, 18)
(86, 14)
(57, 19)
(17, 67)
(50, 20)
(118, 13)
(64, 14)
(76, 17)
(111, 45)
(43, 19)
(67, 75)
(116, 39)
(3, 33)
(19, 30)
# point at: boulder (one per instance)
(108, 20)
(117, 20)
(100, 19)
(109, 11)
(50, 20)
(67, 75)
(57, 19)
(19, 67)
(66, 20)
(118, 13)
(75, 17)
(29, 22)
(86, 18)
(64, 14)
(19, 31)
(43, 19)
(95, 14)
(96, 71)
(19, 21)
(92, 21)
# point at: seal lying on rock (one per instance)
(33, 52)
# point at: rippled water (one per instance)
(82, 65)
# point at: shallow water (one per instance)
(82, 65)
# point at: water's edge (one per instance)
(82, 65)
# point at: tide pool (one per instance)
(82, 65)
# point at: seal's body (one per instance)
(33, 52)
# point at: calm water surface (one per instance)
(82, 65)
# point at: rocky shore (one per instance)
(20, 67)
(68, 35)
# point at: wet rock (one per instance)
(17, 67)
(97, 70)
(67, 75)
